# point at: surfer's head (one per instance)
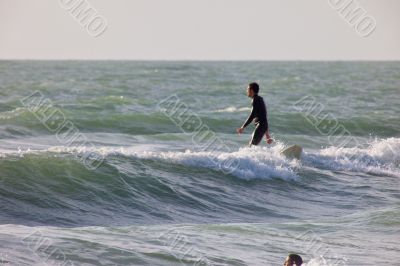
(253, 89)
(293, 259)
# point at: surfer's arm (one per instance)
(248, 121)
(267, 134)
(268, 137)
(250, 118)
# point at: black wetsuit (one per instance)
(259, 115)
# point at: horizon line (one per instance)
(203, 60)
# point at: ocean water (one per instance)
(138, 163)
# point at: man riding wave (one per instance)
(258, 115)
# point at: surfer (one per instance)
(258, 115)
(293, 259)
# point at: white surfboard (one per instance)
(293, 152)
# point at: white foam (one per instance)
(378, 157)
(232, 109)
(13, 113)
(247, 163)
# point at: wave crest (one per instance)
(379, 157)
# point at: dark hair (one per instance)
(294, 258)
(254, 87)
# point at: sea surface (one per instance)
(139, 163)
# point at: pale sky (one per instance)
(199, 30)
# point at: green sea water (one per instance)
(110, 168)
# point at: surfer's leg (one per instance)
(258, 134)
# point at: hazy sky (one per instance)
(198, 29)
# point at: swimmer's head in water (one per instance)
(293, 259)
(253, 89)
